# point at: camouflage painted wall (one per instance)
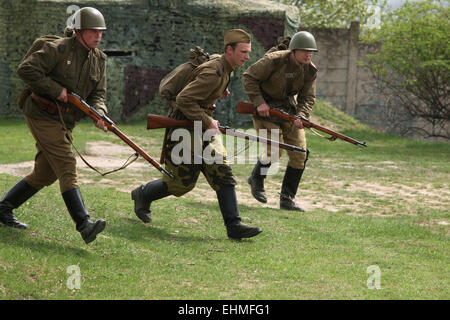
(145, 40)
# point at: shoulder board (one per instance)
(215, 65)
(208, 68)
(277, 56)
(62, 44)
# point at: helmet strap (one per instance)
(293, 58)
(80, 32)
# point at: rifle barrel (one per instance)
(248, 108)
(287, 116)
(240, 134)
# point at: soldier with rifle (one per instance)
(286, 80)
(196, 102)
(51, 69)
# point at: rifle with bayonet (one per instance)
(83, 106)
(248, 108)
(157, 122)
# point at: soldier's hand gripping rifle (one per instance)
(157, 122)
(248, 108)
(82, 105)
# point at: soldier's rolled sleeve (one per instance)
(188, 99)
(35, 70)
(253, 76)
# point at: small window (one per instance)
(120, 53)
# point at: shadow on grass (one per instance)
(10, 237)
(136, 231)
(166, 228)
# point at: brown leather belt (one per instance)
(49, 105)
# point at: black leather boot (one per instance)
(144, 195)
(230, 213)
(13, 199)
(289, 188)
(87, 228)
(256, 181)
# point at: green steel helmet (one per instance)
(303, 40)
(88, 18)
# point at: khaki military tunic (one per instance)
(277, 81)
(175, 81)
(62, 63)
(196, 102)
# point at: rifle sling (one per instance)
(126, 163)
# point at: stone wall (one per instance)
(342, 81)
(145, 40)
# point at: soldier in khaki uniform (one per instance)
(70, 64)
(207, 83)
(284, 79)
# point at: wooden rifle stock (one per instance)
(82, 105)
(248, 108)
(157, 122)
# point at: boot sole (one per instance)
(16, 226)
(250, 235)
(292, 209)
(99, 227)
(20, 226)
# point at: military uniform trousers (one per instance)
(218, 173)
(54, 159)
(288, 133)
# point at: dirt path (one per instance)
(113, 156)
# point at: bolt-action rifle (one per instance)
(248, 108)
(83, 106)
(157, 122)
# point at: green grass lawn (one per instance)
(383, 207)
